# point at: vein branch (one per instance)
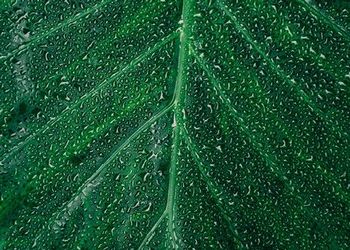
(177, 101)
(150, 234)
(101, 170)
(91, 93)
(299, 91)
(325, 18)
(72, 19)
(256, 142)
(212, 190)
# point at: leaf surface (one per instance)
(174, 124)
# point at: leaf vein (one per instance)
(91, 93)
(240, 121)
(298, 90)
(150, 234)
(325, 18)
(211, 188)
(66, 22)
(103, 166)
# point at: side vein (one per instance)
(257, 142)
(150, 234)
(326, 19)
(100, 171)
(66, 22)
(211, 188)
(240, 28)
(92, 92)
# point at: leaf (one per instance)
(174, 124)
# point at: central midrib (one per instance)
(178, 106)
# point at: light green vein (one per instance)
(66, 22)
(178, 97)
(241, 123)
(270, 159)
(170, 209)
(327, 20)
(91, 93)
(182, 60)
(193, 152)
(257, 142)
(103, 168)
(280, 72)
(150, 234)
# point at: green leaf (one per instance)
(187, 124)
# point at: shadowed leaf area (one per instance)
(193, 124)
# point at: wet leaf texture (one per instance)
(212, 124)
